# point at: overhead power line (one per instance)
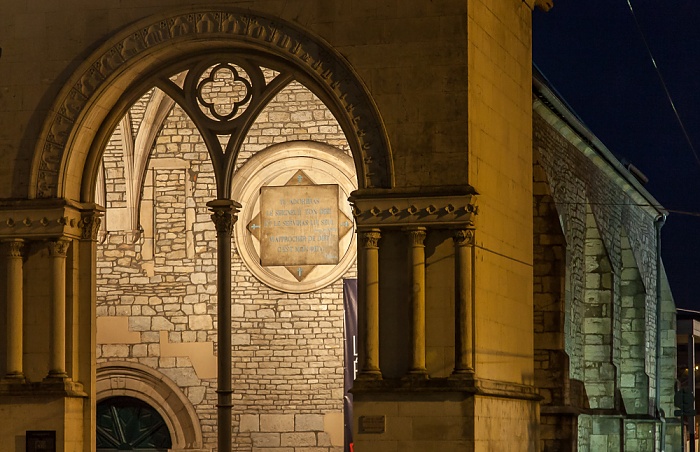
(618, 204)
(663, 84)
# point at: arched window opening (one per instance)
(127, 423)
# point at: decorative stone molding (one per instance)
(45, 219)
(143, 383)
(316, 59)
(392, 208)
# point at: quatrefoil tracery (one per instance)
(223, 96)
(237, 89)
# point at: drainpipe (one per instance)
(659, 223)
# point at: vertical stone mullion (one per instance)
(368, 298)
(417, 263)
(57, 361)
(15, 329)
(224, 216)
(464, 347)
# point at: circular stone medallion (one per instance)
(295, 230)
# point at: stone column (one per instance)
(14, 309)
(368, 300)
(57, 361)
(464, 347)
(91, 220)
(416, 238)
(224, 216)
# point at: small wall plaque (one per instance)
(372, 424)
(41, 441)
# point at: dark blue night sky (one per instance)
(594, 56)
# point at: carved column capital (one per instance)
(416, 236)
(15, 247)
(369, 239)
(223, 221)
(463, 237)
(223, 214)
(58, 248)
(90, 224)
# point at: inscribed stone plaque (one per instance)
(299, 225)
(372, 424)
(40, 441)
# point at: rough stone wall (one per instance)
(557, 429)
(287, 348)
(112, 162)
(634, 382)
(600, 375)
(610, 253)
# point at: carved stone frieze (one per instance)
(42, 219)
(318, 60)
(385, 208)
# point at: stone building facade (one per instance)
(604, 328)
(148, 144)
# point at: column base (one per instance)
(416, 374)
(15, 377)
(62, 384)
(369, 375)
(462, 374)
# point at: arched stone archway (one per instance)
(146, 384)
(94, 98)
(149, 53)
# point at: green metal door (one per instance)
(127, 423)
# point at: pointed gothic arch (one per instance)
(95, 98)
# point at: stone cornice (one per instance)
(43, 218)
(413, 208)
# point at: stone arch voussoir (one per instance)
(146, 384)
(94, 88)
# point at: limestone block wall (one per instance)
(609, 307)
(157, 291)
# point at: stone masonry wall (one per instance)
(287, 348)
(587, 199)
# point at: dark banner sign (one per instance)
(350, 301)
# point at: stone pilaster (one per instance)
(464, 347)
(15, 333)
(368, 299)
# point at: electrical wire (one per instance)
(619, 204)
(663, 84)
